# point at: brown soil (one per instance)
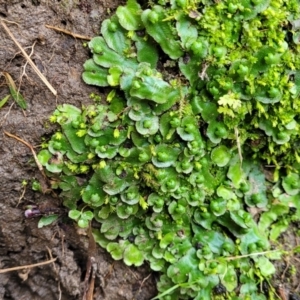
(59, 57)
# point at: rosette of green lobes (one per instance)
(197, 178)
(106, 151)
(124, 211)
(204, 217)
(66, 113)
(189, 131)
(179, 271)
(196, 197)
(106, 137)
(168, 123)
(93, 193)
(151, 86)
(156, 202)
(107, 57)
(115, 35)
(178, 209)
(256, 195)
(268, 95)
(82, 218)
(240, 69)
(216, 131)
(53, 162)
(251, 8)
(161, 31)
(189, 66)
(221, 155)
(138, 108)
(171, 184)
(291, 184)
(187, 32)
(131, 195)
(218, 206)
(155, 222)
(166, 155)
(184, 165)
(196, 149)
(102, 119)
(295, 89)
(129, 16)
(279, 136)
(148, 125)
(113, 184)
(113, 226)
(71, 190)
(266, 57)
(94, 74)
(126, 251)
(133, 256)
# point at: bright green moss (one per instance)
(173, 162)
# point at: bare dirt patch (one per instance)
(59, 57)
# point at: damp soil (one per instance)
(59, 57)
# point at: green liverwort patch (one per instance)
(204, 102)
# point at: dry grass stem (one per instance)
(238, 143)
(43, 78)
(24, 67)
(22, 196)
(30, 147)
(7, 114)
(28, 266)
(74, 35)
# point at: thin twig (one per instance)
(7, 114)
(56, 272)
(24, 67)
(203, 75)
(11, 22)
(74, 35)
(238, 143)
(282, 292)
(43, 78)
(22, 196)
(51, 257)
(28, 266)
(285, 270)
(91, 268)
(145, 279)
(59, 290)
(31, 148)
(249, 255)
(133, 274)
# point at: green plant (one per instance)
(172, 163)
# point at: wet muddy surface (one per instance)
(59, 57)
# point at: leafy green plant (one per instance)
(203, 95)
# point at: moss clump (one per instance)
(173, 160)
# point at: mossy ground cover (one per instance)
(204, 99)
